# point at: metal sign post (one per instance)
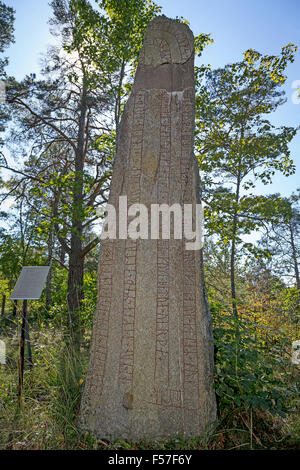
(22, 350)
(29, 286)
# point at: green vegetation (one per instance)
(61, 132)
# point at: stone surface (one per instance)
(151, 365)
(296, 352)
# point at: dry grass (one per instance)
(51, 400)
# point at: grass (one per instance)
(51, 399)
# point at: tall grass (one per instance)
(51, 400)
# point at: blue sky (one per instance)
(235, 25)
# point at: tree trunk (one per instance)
(75, 296)
(22, 350)
(233, 246)
(49, 277)
(294, 256)
(15, 304)
(3, 305)
(232, 272)
(76, 261)
(62, 255)
(27, 338)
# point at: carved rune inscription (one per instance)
(151, 361)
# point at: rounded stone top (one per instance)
(166, 42)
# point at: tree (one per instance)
(282, 239)
(237, 145)
(70, 120)
(20, 245)
(7, 17)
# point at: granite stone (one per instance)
(150, 373)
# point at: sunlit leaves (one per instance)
(236, 145)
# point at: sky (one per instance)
(235, 26)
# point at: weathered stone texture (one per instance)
(151, 365)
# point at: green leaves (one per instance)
(113, 34)
(7, 16)
(236, 145)
(246, 373)
(201, 41)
